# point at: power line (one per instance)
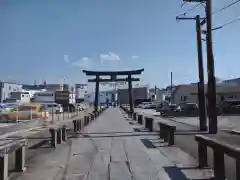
(189, 10)
(225, 7)
(231, 22)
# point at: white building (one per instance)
(44, 97)
(19, 97)
(189, 93)
(81, 91)
(6, 88)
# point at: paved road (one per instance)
(189, 145)
(224, 122)
(107, 149)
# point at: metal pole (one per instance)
(201, 93)
(171, 86)
(212, 114)
(130, 93)
(96, 94)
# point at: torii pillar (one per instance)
(129, 79)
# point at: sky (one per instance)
(57, 39)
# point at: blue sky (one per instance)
(52, 39)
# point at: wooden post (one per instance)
(20, 159)
(170, 135)
(4, 167)
(238, 168)
(201, 91)
(64, 133)
(130, 93)
(78, 125)
(218, 165)
(53, 137)
(140, 119)
(75, 125)
(149, 123)
(212, 110)
(202, 155)
(96, 93)
(59, 135)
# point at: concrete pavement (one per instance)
(107, 149)
(186, 141)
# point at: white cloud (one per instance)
(110, 57)
(66, 58)
(84, 62)
(135, 57)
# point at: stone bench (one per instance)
(167, 131)
(219, 150)
(58, 134)
(149, 123)
(10, 146)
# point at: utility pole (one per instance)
(171, 87)
(211, 92)
(212, 110)
(201, 93)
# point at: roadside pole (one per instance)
(211, 86)
(212, 111)
(201, 91)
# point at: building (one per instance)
(137, 93)
(44, 97)
(104, 96)
(81, 91)
(189, 93)
(19, 97)
(235, 81)
(6, 88)
(49, 87)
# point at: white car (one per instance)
(142, 105)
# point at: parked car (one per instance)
(230, 107)
(24, 112)
(142, 105)
(188, 108)
(150, 106)
(167, 109)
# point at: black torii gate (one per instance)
(113, 77)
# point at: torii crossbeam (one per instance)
(113, 77)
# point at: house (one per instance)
(6, 88)
(189, 93)
(235, 81)
(19, 97)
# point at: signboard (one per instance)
(62, 97)
(81, 86)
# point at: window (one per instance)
(10, 88)
(183, 98)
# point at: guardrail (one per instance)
(167, 131)
(219, 150)
(17, 145)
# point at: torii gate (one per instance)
(113, 77)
